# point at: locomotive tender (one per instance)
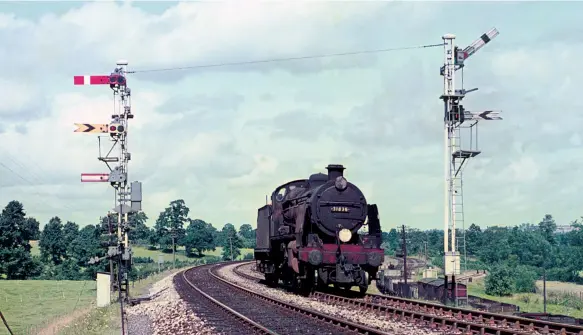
(307, 236)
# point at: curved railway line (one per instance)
(441, 317)
(233, 309)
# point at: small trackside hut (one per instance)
(433, 289)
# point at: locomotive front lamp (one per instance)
(344, 235)
(340, 183)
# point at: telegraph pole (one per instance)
(120, 252)
(173, 234)
(454, 155)
(465, 251)
(231, 243)
(404, 255)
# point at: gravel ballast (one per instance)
(354, 315)
(166, 313)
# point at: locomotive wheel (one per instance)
(272, 279)
(320, 284)
(362, 290)
(305, 286)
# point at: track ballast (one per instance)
(237, 310)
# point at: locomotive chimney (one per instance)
(334, 171)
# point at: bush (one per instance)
(499, 281)
(138, 260)
(248, 256)
(564, 274)
(524, 279)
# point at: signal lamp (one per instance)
(116, 128)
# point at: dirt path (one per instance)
(59, 323)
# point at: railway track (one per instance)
(442, 317)
(233, 309)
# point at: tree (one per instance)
(231, 242)
(85, 246)
(524, 279)
(171, 220)
(140, 232)
(199, 236)
(548, 227)
(496, 246)
(393, 240)
(178, 217)
(70, 232)
(15, 259)
(473, 239)
(499, 281)
(31, 229)
(52, 246)
(248, 234)
(246, 231)
(162, 231)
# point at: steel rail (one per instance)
(240, 316)
(345, 324)
(464, 319)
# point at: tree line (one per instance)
(65, 248)
(515, 256)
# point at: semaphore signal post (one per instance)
(456, 118)
(128, 197)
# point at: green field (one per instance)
(144, 252)
(30, 304)
(106, 321)
(528, 302)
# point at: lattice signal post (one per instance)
(119, 251)
(455, 118)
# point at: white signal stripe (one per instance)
(94, 177)
(86, 80)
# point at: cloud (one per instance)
(264, 165)
(195, 33)
(222, 137)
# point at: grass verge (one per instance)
(29, 305)
(528, 302)
(107, 320)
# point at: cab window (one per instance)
(280, 194)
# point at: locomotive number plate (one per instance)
(339, 209)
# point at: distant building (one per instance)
(561, 229)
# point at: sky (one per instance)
(222, 138)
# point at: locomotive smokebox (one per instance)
(335, 171)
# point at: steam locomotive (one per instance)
(308, 235)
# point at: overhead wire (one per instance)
(273, 60)
(34, 182)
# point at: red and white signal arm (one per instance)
(91, 80)
(94, 177)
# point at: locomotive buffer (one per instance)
(455, 119)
